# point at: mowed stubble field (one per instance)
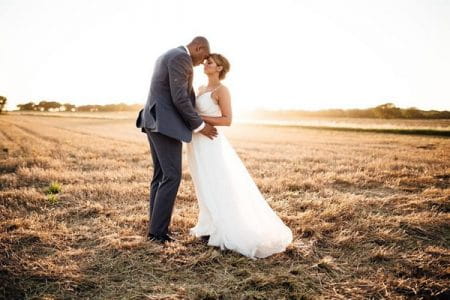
(369, 213)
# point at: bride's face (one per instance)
(210, 66)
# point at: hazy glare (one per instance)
(284, 54)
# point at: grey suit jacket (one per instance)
(169, 109)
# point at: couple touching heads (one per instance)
(233, 214)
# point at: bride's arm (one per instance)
(224, 101)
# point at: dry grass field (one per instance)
(370, 213)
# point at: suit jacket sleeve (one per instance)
(180, 67)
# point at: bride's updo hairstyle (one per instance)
(221, 61)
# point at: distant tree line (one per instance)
(384, 111)
(56, 106)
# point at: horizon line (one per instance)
(249, 110)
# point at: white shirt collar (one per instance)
(187, 49)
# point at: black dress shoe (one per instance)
(148, 232)
(204, 238)
(160, 238)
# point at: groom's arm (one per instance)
(180, 67)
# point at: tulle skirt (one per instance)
(232, 210)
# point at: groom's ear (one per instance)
(219, 68)
(199, 48)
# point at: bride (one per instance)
(233, 214)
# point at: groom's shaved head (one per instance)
(199, 49)
(200, 41)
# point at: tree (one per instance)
(2, 103)
(69, 107)
(90, 108)
(412, 113)
(27, 106)
(48, 105)
(387, 111)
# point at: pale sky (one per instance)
(304, 54)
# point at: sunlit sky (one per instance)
(284, 54)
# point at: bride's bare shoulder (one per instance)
(223, 87)
(221, 94)
(223, 90)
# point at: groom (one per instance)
(168, 118)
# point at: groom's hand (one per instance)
(209, 130)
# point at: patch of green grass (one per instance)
(53, 188)
(418, 131)
(52, 192)
(52, 198)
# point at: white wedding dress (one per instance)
(232, 210)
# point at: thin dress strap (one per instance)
(216, 88)
(212, 91)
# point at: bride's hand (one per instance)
(209, 131)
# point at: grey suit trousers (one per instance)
(166, 156)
